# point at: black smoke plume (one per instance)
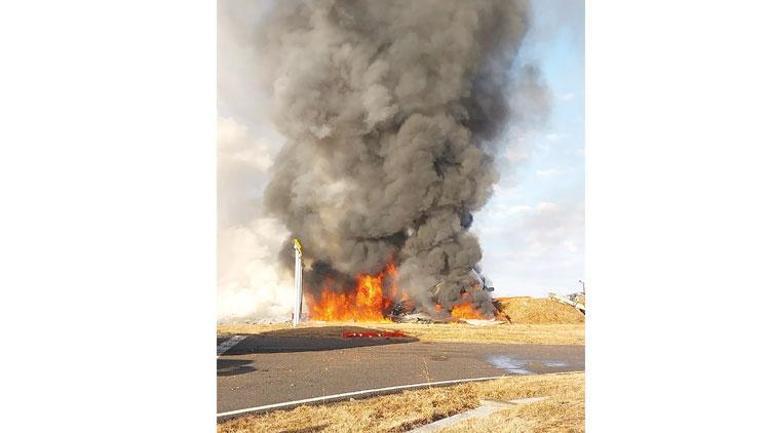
(391, 110)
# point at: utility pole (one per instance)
(297, 282)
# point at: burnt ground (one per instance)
(264, 369)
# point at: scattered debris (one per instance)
(579, 306)
(373, 334)
(427, 318)
(483, 322)
(402, 307)
(579, 297)
(500, 311)
(415, 318)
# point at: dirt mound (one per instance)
(527, 310)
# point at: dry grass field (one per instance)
(534, 321)
(562, 412)
(538, 311)
(457, 332)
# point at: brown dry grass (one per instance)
(558, 334)
(524, 309)
(562, 412)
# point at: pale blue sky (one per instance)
(532, 230)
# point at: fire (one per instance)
(466, 310)
(364, 304)
(372, 299)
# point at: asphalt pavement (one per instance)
(264, 369)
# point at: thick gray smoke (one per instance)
(390, 110)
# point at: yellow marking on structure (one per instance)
(297, 245)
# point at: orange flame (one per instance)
(364, 304)
(466, 310)
(372, 298)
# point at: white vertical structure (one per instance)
(297, 282)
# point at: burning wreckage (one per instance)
(474, 286)
(378, 298)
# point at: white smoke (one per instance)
(250, 283)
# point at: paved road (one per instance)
(262, 370)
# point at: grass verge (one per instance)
(562, 412)
(557, 334)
